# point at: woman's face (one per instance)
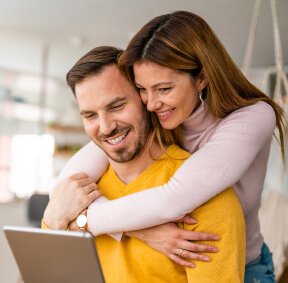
(173, 95)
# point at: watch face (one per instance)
(81, 220)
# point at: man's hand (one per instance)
(69, 199)
(170, 240)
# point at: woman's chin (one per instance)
(168, 125)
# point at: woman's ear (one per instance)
(203, 79)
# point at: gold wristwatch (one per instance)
(81, 221)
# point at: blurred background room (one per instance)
(40, 125)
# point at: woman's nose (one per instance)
(153, 102)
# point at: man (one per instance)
(117, 121)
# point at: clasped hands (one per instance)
(176, 243)
(72, 196)
(69, 199)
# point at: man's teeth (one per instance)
(162, 114)
(117, 140)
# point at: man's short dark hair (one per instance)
(92, 63)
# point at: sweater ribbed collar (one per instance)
(199, 120)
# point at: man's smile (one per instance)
(118, 139)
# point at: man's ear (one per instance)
(203, 79)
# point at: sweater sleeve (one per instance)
(90, 159)
(220, 163)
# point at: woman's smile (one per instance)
(165, 115)
(173, 95)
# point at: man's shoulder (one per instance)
(223, 205)
(108, 174)
(174, 157)
(174, 151)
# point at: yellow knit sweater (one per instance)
(134, 261)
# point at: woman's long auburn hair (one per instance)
(184, 41)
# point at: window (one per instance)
(30, 160)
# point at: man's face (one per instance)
(113, 114)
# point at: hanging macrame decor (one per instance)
(273, 213)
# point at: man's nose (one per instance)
(153, 102)
(107, 124)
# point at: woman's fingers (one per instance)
(87, 194)
(79, 180)
(83, 182)
(92, 191)
(89, 188)
(187, 219)
(194, 256)
(191, 250)
(74, 227)
(198, 248)
(69, 199)
(176, 243)
(80, 183)
(95, 194)
(78, 176)
(185, 247)
(199, 236)
(181, 261)
(86, 181)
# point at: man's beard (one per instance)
(123, 154)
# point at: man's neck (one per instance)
(129, 171)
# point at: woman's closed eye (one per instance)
(164, 89)
(141, 89)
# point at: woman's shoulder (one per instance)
(260, 114)
(259, 108)
(257, 121)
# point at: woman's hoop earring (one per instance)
(200, 97)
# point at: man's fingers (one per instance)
(181, 261)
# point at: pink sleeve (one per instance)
(217, 165)
(92, 161)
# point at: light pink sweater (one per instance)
(225, 152)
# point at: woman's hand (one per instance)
(74, 227)
(170, 240)
(69, 199)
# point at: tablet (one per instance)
(54, 256)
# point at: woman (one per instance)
(186, 77)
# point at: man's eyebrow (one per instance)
(156, 85)
(115, 100)
(83, 112)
